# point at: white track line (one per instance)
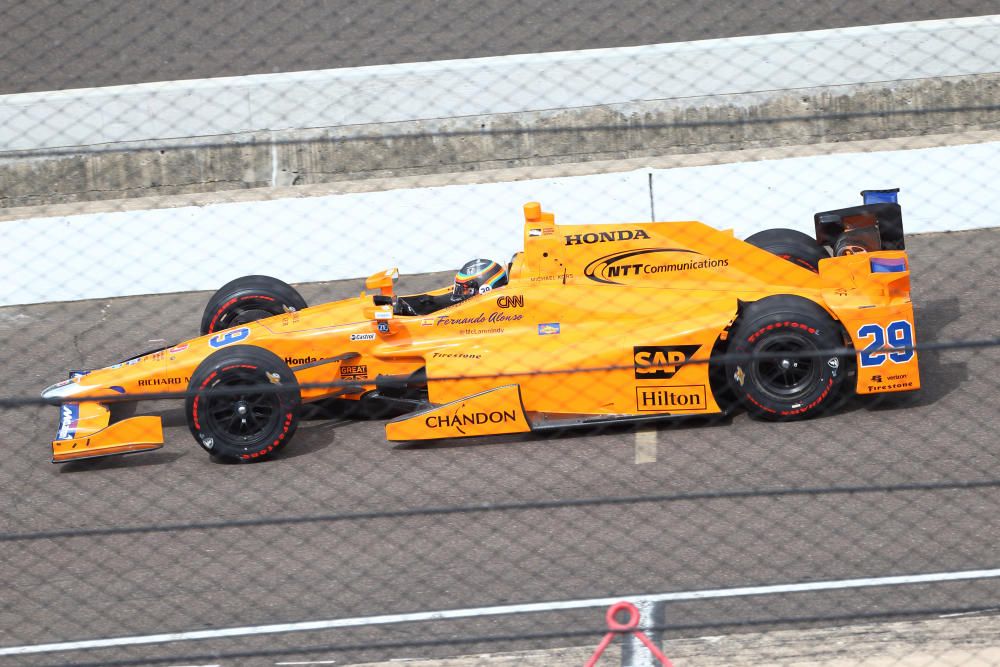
(502, 610)
(645, 447)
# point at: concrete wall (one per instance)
(454, 116)
(429, 229)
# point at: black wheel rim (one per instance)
(784, 374)
(242, 415)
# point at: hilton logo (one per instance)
(684, 398)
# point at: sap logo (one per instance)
(514, 301)
(299, 361)
(653, 361)
(604, 237)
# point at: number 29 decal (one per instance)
(884, 342)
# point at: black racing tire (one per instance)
(785, 388)
(796, 247)
(248, 299)
(256, 410)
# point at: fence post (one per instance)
(652, 615)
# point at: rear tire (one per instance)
(248, 299)
(784, 388)
(796, 247)
(256, 410)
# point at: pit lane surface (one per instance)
(59, 44)
(893, 454)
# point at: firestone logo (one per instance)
(604, 237)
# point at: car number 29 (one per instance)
(898, 334)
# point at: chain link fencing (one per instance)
(719, 423)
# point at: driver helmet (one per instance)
(477, 277)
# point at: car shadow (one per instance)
(676, 423)
(130, 460)
(313, 434)
(454, 443)
(310, 439)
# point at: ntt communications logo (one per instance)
(622, 267)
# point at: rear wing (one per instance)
(875, 225)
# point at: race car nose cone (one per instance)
(60, 390)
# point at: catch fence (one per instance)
(783, 443)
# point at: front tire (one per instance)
(784, 379)
(247, 405)
(248, 299)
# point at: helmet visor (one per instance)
(463, 291)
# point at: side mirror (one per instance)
(383, 281)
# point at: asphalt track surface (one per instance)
(919, 480)
(59, 44)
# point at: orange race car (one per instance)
(589, 324)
